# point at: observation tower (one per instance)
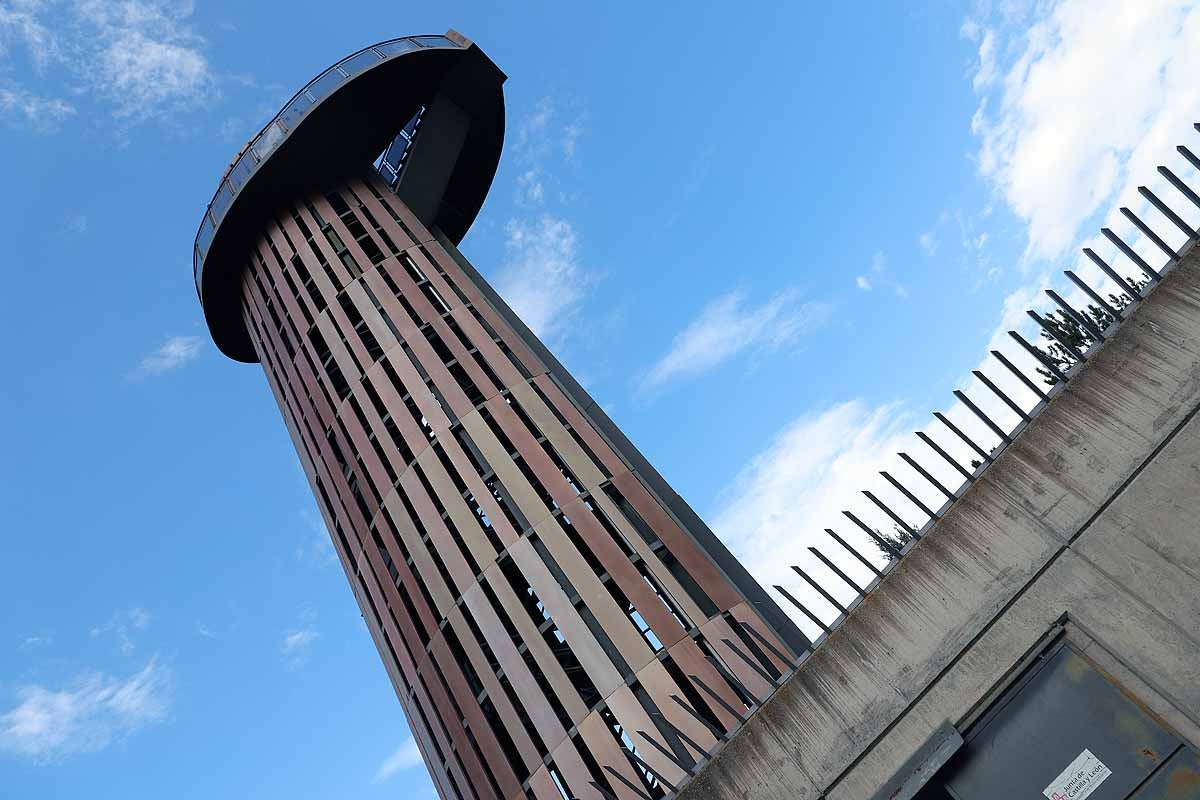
(556, 621)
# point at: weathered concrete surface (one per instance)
(1093, 513)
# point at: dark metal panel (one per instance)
(1045, 722)
(1177, 779)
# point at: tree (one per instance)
(1077, 336)
(897, 537)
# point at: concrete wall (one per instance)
(1093, 513)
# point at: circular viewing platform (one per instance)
(344, 122)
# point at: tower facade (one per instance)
(556, 622)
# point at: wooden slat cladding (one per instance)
(536, 607)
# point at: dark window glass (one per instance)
(358, 62)
(325, 84)
(295, 110)
(206, 235)
(267, 141)
(434, 41)
(220, 203)
(241, 171)
(398, 46)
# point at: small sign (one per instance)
(1081, 777)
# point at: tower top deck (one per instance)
(346, 121)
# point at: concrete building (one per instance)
(556, 621)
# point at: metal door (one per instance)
(1064, 731)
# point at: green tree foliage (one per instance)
(897, 537)
(1074, 334)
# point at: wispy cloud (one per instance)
(147, 59)
(22, 23)
(23, 107)
(407, 755)
(929, 243)
(123, 626)
(142, 58)
(316, 548)
(48, 725)
(531, 191)
(729, 326)
(296, 645)
(552, 128)
(543, 276)
(880, 276)
(297, 642)
(174, 353)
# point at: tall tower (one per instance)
(539, 596)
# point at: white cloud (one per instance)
(880, 276)
(929, 243)
(45, 114)
(533, 126)
(47, 725)
(317, 547)
(787, 495)
(1095, 92)
(407, 755)
(21, 22)
(174, 353)
(149, 62)
(530, 189)
(728, 326)
(985, 76)
(123, 626)
(570, 138)
(139, 618)
(297, 643)
(140, 56)
(818, 466)
(542, 277)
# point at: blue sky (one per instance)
(769, 238)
